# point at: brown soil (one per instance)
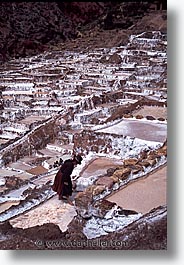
(156, 112)
(37, 170)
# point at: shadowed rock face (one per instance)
(82, 12)
(25, 28)
(28, 28)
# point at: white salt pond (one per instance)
(145, 130)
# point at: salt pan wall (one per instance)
(111, 144)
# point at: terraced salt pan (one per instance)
(8, 135)
(37, 170)
(144, 130)
(8, 172)
(143, 194)
(12, 129)
(95, 168)
(99, 166)
(44, 179)
(95, 75)
(19, 166)
(2, 181)
(48, 152)
(33, 118)
(52, 211)
(3, 141)
(15, 195)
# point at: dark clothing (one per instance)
(62, 182)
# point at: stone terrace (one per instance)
(59, 102)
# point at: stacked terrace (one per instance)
(104, 103)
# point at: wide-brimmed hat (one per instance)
(78, 159)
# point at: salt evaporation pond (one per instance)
(143, 194)
(51, 211)
(99, 166)
(145, 130)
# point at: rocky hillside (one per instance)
(32, 27)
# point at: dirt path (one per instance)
(144, 194)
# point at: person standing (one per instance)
(62, 182)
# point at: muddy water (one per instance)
(99, 166)
(37, 170)
(144, 194)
